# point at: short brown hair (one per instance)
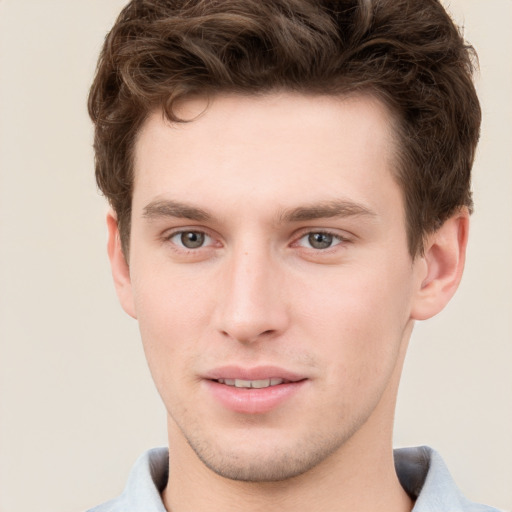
(408, 53)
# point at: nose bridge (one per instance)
(251, 305)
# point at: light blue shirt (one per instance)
(421, 471)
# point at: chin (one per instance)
(273, 462)
(284, 468)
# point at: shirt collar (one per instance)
(421, 471)
(425, 477)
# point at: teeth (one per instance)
(257, 384)
(239, 383)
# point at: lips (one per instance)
(252, 391)
(252, 374)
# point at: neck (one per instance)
(326, 489)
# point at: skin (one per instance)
(259, 179)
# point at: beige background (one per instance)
(77, 405)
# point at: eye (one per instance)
(190, 239)
(320, 240)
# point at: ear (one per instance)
(119, 266)
(442, 265)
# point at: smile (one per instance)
(257, 384)
(253, 396)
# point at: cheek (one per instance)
(358, 322)
(168, 300)
(172, 312)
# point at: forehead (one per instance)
(278, 148)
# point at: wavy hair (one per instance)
(408, 53)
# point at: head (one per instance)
(290, 181)
(406, 53)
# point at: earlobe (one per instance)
(443, 264)
(119, 266)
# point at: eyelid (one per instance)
(339, 234)
(341, 238)
(169, 234)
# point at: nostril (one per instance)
(248, 337)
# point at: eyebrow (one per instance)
(168, 208)
(325, 210)
(322, 210)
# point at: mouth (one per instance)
(253, 391)
(253, 384)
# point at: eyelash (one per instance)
(335, 237)
(170, 236)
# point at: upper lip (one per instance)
(256, 373)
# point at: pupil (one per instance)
(320, 240)
(192, 239)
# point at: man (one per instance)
(289, 183)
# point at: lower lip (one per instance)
(252, 400)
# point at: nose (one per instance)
(251, 305)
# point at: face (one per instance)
(270, 276)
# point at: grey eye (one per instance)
(320, 240)
(191, 239)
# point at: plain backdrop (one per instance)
(77, 404)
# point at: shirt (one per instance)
(421, 471)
